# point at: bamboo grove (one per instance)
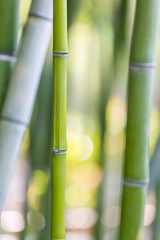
(79, 132)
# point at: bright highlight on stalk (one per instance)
(59, 144)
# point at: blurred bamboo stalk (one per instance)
(155, 185)
(19, 101)
(39, 150)
(9, 20)
(59, 144)
(142, 69)
(156, 228)
(73, 7)
(120, 47)
(154, 167)
(40, 142)
(121, 44)
(105, 92)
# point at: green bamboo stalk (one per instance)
(105, 90)
(9, 12)
(142, 69)
(121, 43)
(59, 144)
(42, 120)
(156, 228)
(73, 7)
(40, 140)
(18, 104)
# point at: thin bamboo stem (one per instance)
(59, 144)
(142, 69)
(104, 97)
(156, 228)
(9, 12)
(18, 104)
(154, 167)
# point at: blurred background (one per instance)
(99, 44)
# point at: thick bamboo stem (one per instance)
(59, 144)
(40, 139)
(18, 104)
(142, 68)
(9, 12)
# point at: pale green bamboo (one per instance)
(19, 101)
(59, 144)
(142, 69)
(9, 19)
(105, 91)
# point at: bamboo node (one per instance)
(7, 58)
(59, 151)
(40, 16)
(15, 121)
(141, 66)
(60, 54)
(134, 183)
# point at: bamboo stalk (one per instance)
(17, 109)
(105, 90)
(59, 144)
(142, 69)
(42, 120)
(40, 139)
(154, 167)
(9, 12)
(73, 7)
(156, 228)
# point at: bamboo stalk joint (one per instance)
(136, 183)
(58, 151)
(8, 58)
(60, 53)
(15, 121)
(41, 17)
(142, 66)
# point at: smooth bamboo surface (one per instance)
(58, 195)
(156, 228)
(19, 101)
(141, 76)
(59, 143)
(40, 142)
(154, 167)
(9, 20)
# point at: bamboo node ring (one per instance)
(60, 54)
(8, 58)
(58, 151)
(139, 66)
(40, 16)
(15, 121)
(133, 183)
